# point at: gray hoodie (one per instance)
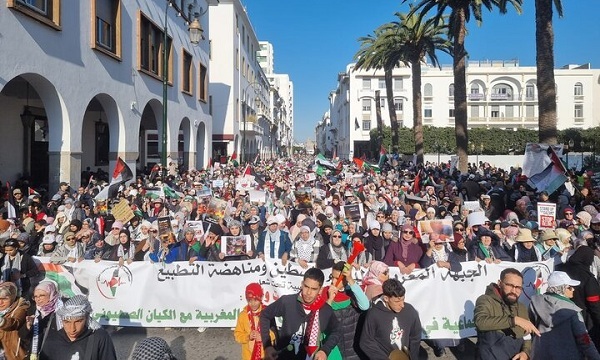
(563, 332)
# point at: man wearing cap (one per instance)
(16, 267)
(253, 229)
(78, 335)
(503, 327)
(274, 243)
(19, 200)
(559, 320)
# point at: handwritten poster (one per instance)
(472, 205)
(122, 211)
(257, 196)
(218, 183)
(311, 176)
(546, 215)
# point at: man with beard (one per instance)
(503, 328)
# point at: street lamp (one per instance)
(196, 34)
(582, 144)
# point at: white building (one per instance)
(246, 106)
(501, 94)
(81, 83)
(266, 57)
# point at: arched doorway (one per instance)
(150, 137)
(184, 144)
(201, 146)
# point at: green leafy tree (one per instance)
(460, 13)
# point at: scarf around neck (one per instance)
(272, 243)
(312, 333)
(255, 326)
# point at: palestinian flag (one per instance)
(382, 156)
(62, 276)
(321, 161)
(121, 175)
(171, 193)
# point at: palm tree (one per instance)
(460, 13)
(420, 39)
(544, 45)
(377, 52)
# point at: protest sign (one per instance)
(311, 176)
(354, 212)
(198, 228)
(321, 191)
(218, 183)
(436, 229)
(472, 205)
(122, 211)
(546, 213)
(303, 198)
(257, 196)
(165, 231)
(236, 245)
(216, 210)
(204, 192)
(243, 183)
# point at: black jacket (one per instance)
(380, 326)
(294, 319)
(91, 345)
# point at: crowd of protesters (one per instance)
(73, 224)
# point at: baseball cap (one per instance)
(559, 278)
(272, 220)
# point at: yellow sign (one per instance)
(122, 211)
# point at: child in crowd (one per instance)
(247, 329)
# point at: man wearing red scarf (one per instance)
(309, 330)
(247, 329)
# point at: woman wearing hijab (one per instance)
(563, 332)
(459, 248)
(405, 253)
(378, 273)
(13, 311)
(124, 251)
(374, 243)
(47, 301)
(333, 252)
(305, 249)
(438, 253)
(587, 295)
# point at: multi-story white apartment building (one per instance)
(501, 94)
(283, 106)
(82, 83)
(247, 108)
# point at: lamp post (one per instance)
(582, 144)
(196, 34)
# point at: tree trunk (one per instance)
(417, 109)
(544, 41)
(460, 91)
(379, 123)
(389, 93)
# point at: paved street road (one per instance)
(218, 344)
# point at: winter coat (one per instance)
(294, 318)
(394, 254)
(242, 331)
(285, 244)
(453, 259)
(385, 331)
(498, 338)
(9, 330)
(564, 335)
(587, 294)
(348, 318)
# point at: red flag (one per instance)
(248, 170)
(416, 184)
(359, 162)
(234, 156)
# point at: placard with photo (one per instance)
(354, 212)
(216, 210)
(236, 245)
(436, 229)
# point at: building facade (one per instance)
(83, 84)
(500, 94)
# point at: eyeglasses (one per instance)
(459, 229)
(70, 238)
(153, 231)
(568, 213)
(513, 287)
(408, 232)
(336, 236)
(380, 216)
